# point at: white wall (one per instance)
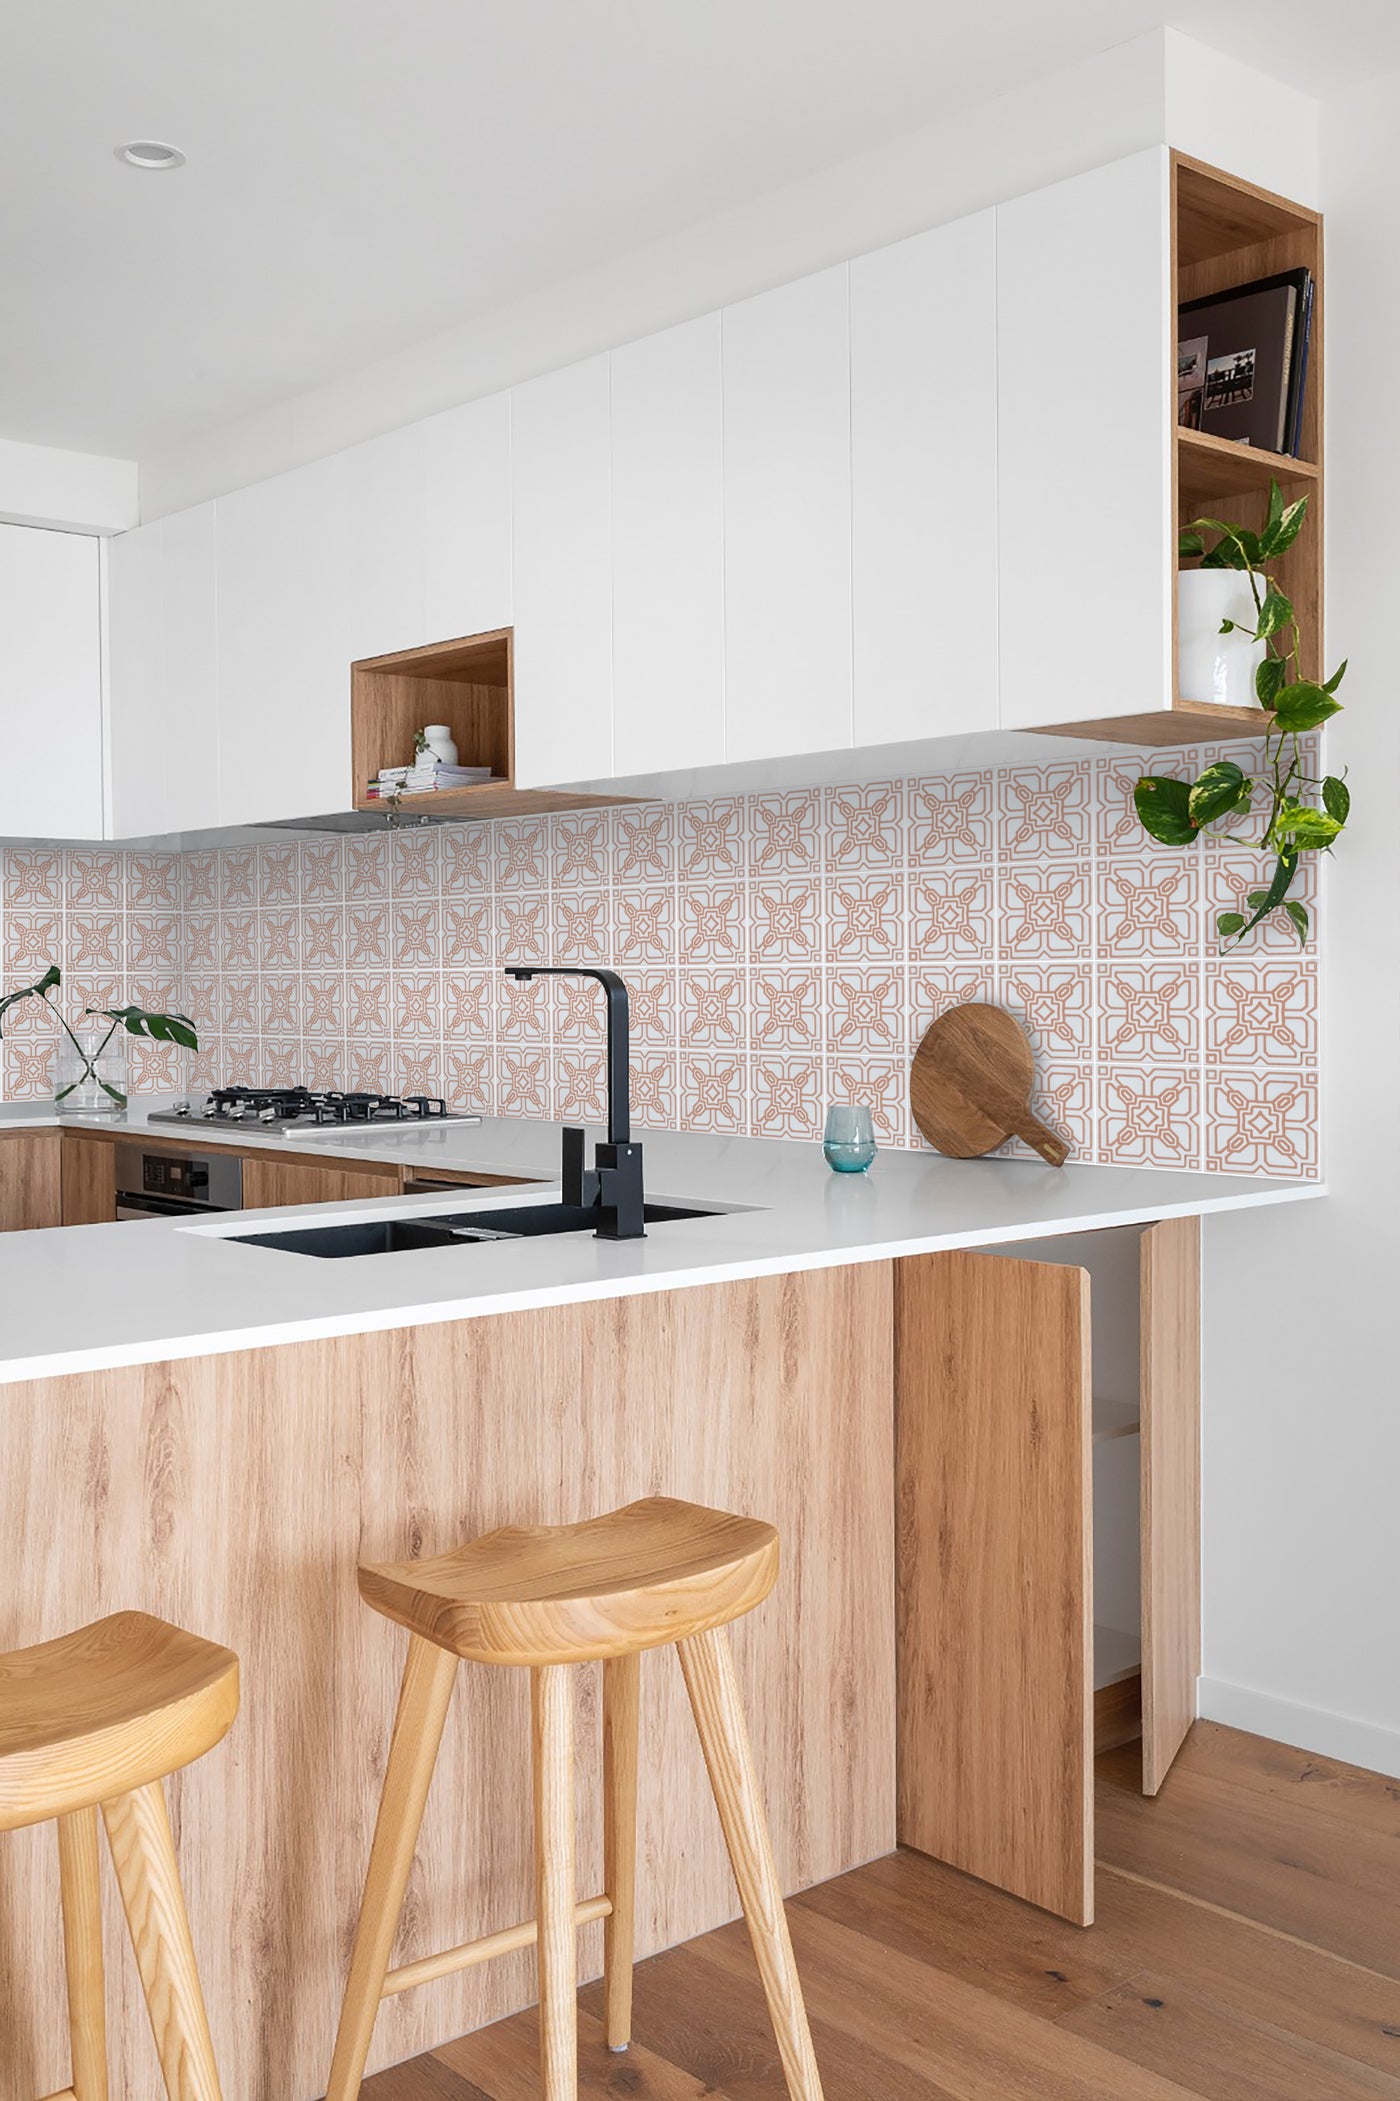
(1155, 87)
(75, 492)
(1302, 1423)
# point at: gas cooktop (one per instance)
(308, 1112)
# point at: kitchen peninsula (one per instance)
(220, 1432)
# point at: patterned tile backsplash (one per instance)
(782, 950)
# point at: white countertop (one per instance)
(86, 1298)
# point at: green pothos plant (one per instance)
(1297, 812)
(137, 1021)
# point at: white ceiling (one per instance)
(364, 173)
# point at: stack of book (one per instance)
(1242, 361)
(426, 776)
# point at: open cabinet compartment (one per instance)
(1015, 1369)
(1227, 233)
(469, 684)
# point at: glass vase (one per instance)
(89, 1077)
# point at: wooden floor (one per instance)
(1247, 1949)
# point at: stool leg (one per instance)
(621, 1688)
(82, 1949)
(552, 1704)
(428, 1678)
(708, 1665)
(143, 1853)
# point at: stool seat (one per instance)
(654, 1572)
(105, 1710)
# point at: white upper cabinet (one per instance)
(787, 368)
(137, 725)
(284, 657)
(1085, 534)
(668, 551)
(162, 712)
(385, 547)
(787, 519)
(562, 532)
(50, 685)
(466, 520)
(924, 484)
(189, 610)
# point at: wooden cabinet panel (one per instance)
(1085, 535)
(268, 1182)
(466, 530)
(668, 551)
(89, 1180)
(50, 684)
(994, 1582)
(284, 664)
(562, 536)
(787, 519)
(924, 484)
(1170, 1344)
(30, 1191)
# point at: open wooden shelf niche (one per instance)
(1226, 232)
(468, 684)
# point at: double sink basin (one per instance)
(393, 1236)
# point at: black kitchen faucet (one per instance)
(613, 1185)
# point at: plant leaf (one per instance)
(1299, 915)
(1278, 536)
(40, 989)
(1164, 808)
(1221, 790)
(1302, 826)
(164, 1028)
(1338, 675)
(1275, 506)
(1284, 871)
(1229, 923)
(1336, 798)
(1275, 613)
(1190, 544)
(1302, 706)
(1269, 679)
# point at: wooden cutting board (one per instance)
(970, 1085)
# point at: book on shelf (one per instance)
(1241, 363)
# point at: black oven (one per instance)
(176, 1184)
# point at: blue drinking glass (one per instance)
(849, 1142)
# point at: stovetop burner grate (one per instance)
(306, 1109)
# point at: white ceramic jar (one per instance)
(1213, 666)
(439, 740)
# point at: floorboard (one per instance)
(1247, 1948)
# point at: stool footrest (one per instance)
(490, 1945)
(67, 2095)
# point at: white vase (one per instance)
(1213, 666)
(440, 743)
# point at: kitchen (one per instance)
(1004, 1414)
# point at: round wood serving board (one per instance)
(970, 1084)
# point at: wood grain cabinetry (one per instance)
(30, 1180)
(267, 1182)
(996, 1425)
(89, 1179)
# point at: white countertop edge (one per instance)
(118, 1356)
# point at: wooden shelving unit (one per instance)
(468, 684)
(1226, 232)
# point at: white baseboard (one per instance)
(1310, 1728)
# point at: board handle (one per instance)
(1040, 1136)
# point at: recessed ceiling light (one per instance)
(150, 153)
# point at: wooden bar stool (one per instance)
(548, 1596)
(95, 1720)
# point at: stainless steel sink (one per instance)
(393, 1236)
